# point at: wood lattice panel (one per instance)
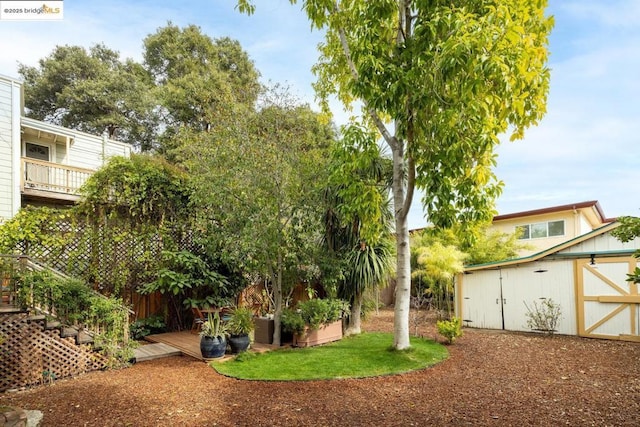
(101, 262)
(31, 355)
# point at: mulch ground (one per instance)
(491, 378)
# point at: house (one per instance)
(41, 163)
(544, 228)
(586, 275)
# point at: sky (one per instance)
(587, 147)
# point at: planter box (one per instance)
(263, 332)
(327, 333)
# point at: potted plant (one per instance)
(239, 325)
(213, 342)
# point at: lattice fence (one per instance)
(32, 355)
(110, 265)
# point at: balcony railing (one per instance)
(40, 176)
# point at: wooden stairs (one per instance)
(35, 351)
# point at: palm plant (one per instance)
(366, 260)
(368, 266)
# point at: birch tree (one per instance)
(440, 81)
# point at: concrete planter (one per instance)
(327, 333)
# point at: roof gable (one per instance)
(555, 249)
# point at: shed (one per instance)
(586, 276)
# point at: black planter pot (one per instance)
(212, 347)
(239, 343)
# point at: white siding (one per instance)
(602, 243)
(87, 151)
(6, 150)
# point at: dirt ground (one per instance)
(491, 378)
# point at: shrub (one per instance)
(543, 317)
(450, 329)
(241, 321)
(292, 321)
(149, 325)
(76, 304)
(314, 313)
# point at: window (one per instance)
(556, 228)
(540, 230)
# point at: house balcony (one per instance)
(46, 180)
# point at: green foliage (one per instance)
(360, 180)
(140, 190)
(358, 221)
(92, 91)
(185, 271)
(628, 230)
(367, 354)
(200, 82)
(292, 321)
(313, 313)
(434, 265)
(241, 321)
(73, 303)
(260, 178)
(450, 329)
(147, 326)
(543, 317)
(438, 254)
(33, 227)
(213, 327)
(187, 79)
(75, 300)
(368, 266)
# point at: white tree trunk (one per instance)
(403, 268)
(355, 320)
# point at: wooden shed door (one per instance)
(482, 301)
(608, 306)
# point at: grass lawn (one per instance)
(360, 356)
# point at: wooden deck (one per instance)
(189, 344)
(155, 351)
(185, 341)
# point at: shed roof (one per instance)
(552, 250)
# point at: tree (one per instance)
(481, 243)
(260, 178)
(450, 77)
(199, 80)
(628, 230)
(92, 91)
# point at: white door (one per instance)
(37, 175)
(482, 302)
